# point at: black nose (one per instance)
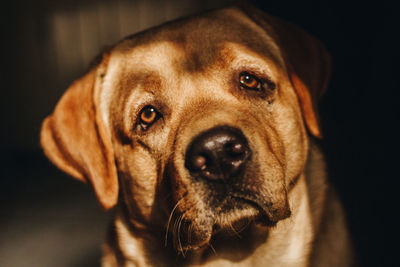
(218, 154)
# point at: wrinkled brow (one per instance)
(148, 80)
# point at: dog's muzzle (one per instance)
(218, 154)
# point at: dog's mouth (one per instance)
(265, 215)
(235, 213)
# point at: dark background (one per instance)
(49, 219)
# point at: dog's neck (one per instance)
(286, 244)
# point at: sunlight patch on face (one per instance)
(301, 235)
(157, 57)
(107, 89)
(130, 246)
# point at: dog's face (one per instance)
(204, 119)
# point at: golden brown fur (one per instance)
(280, 213)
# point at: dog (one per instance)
(203, 134)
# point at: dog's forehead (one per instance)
(202, 38)
(209, 43)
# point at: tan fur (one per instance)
(188, 70)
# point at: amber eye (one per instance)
(147, 116)
(250, 81)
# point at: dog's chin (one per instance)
(233, 216)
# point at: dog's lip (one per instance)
(269, 215)
(265, 216)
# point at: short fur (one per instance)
(281, 213)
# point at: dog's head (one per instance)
(201, 121)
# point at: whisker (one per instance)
(190, 233)
(238, 231)
(212, 248)
(245, 226)
(235, 232)
(169, 221)
(175, 230)
(179, 235)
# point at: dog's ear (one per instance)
(75, 138)
(308, 63)
(309, 67)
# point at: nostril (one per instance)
(203, 164)
(199, 162)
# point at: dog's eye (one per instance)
(147, 116)
(251, 82)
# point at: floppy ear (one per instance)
(75, 138)
(307, 60)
